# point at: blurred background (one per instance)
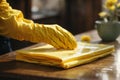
(77, 16)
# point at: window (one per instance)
(44, 8)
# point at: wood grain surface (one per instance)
(107, 68)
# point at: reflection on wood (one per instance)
(105, 68)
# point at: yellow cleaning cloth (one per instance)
(48, 55)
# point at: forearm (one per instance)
(14, 25)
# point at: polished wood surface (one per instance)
(107, 68)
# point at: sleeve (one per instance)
(14, 25)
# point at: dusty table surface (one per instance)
(107, 68)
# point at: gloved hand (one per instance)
(14, 25)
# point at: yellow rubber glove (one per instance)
(14, 25)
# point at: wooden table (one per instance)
(107, 68)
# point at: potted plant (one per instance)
(109, 27)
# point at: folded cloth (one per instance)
(48, 55)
